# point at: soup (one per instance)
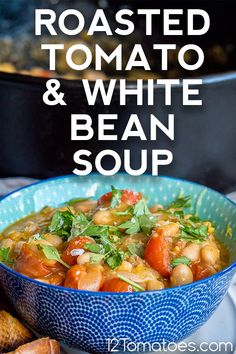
(116, 244)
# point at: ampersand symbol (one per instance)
(52, 86)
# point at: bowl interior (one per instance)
(206, 203)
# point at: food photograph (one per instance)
(117, 176)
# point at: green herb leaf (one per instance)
(141, 208)
(94, 248)
(61, 223)
(134, 285)
(114, 259)
(5, 256)
(116, 197)
(128, 211)
(95, 230)
(147, 223)
(79, 224)
(95, 257)
(136, 249)
(114, 231)
(52, 253)
(131, 227)
(198, 233)
(76, 200)
(181, 202)
(180, 260)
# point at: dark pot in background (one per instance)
(35, 138)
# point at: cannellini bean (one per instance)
(192, 251)
(210, 254)
(84, 258)
(125, 266)
(31, 228)
(6, 243)
(169, 230)
(181, 274)
(18, 246)
(155, 285)
(54, 240)
(103, 217)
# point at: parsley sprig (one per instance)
(142, 220)
(5, 256)
(116, 197)
(180, 260)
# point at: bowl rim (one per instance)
(107, 293)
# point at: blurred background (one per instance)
(35, 138)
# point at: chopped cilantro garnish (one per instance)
(61, 223)
(5, 256)
(128, 211)
(198, 233)
(80, 223)
(116, 197)
(114, 259)
(105, 249)
(147, 223)
(131, 226)
(96, 257)
(136, 249)
(52, 253)
(141, 208)
(95, 248)
(95, 230)
(144, 223)
(180, 260)
(181, 202)
(135, 286)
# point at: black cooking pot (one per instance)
(35, 138)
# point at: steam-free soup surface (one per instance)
(117, 244)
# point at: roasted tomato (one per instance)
(202, 271)
(128, 197)
(33, 264)
(157, 255)
(75, 243)
(116, 285)
(85, 277)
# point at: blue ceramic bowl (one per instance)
(87, 320)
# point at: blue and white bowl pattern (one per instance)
(87, 320)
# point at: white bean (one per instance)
(181, 274)
(84, 258)
(155, 285)
(103, 217)
(210, 254)
(192, 251)
(54, 240)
